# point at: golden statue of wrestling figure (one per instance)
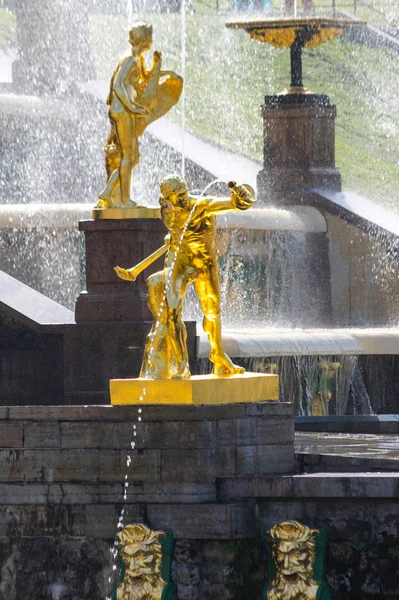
(137, 97)
(191, 258)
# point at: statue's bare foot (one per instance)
(223, 366)
(183, 373)
(130, 204)
(104, 203)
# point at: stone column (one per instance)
(299, 148)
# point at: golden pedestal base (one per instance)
(135, 212)
(199, 389)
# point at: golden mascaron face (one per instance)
(138, 561)
(291, 558)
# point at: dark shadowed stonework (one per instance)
(125, 243)
(62, 474)
(217, 476)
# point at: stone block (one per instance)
(102, 520)
(96, 435)
(316, 463)
(275, 459)
(42, 520)
(270, 409)
(246, 431)
(188, 575)
(103, 413)
(21, 465)
(219, 552)
(85, 493)
(246, 460)
(204, 521)
(145, 466)
(258, 460)
(226, 461)
(45, 434)
(8, 520)
(76, 465)
(62, 413)
(11, 435)
(4, 412)
(241, 431)
(176, 492)
(196, 465)
(14, 493)
(96, 466)
(181, 434)
(227, 432)
(331, 486)
(274, 430)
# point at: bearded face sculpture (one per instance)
(142, 553)
(293, 548)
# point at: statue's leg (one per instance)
(175, 289)
(125, 125)
(207, 288)
(110, 196)
(153, 346)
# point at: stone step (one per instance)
(312, 485)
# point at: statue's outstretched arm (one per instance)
(134, 272)
(242, 197)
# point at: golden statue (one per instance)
(295, 576)
(141, 552)
(137, 97)
(191, 258)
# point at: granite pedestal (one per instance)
(123, 243)
(299, 148)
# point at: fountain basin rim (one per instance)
(305, 342)
(66, 216)
(298, 22)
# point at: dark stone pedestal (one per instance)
(112, 315)
(123, 243)
(299, 152)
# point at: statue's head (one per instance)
(140, 36)
(293, 550)
(141, 551)
(175, 191)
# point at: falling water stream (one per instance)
(183, 73)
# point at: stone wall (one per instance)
(217, 476)
(62, 473)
